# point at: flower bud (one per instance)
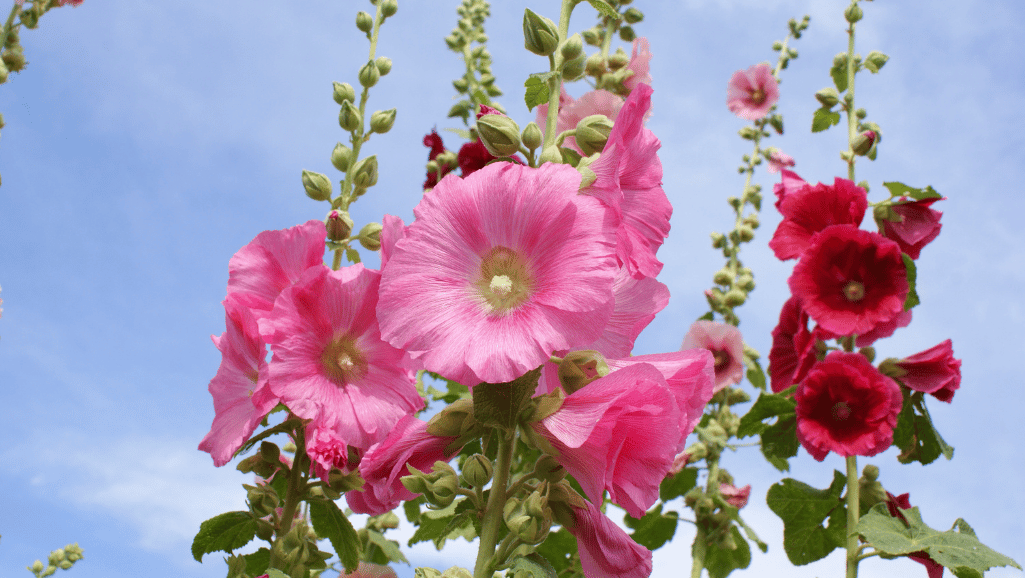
(549, 469)
(447, 159)
(633, 15)
(618, 59)
(56, 556)
(370, 236)
(745, 233)
(592, 36)
(460, 84)
(477, 470)
(340, 157)
(443, 485)
(73, 552)
(3, 72)
(531, 136)
(65, 565)
(550, 154)
(828, 96)
(530, 519)
(863, 143)
(579, 368)
(734, 298)
(718, 240)
(499, 134)
(540, 34)
(36, 567)
(365, 172)
(383, 64)
(592, 132)
(339, 225)
(364, 21)
(746, 282)
(853, 13)
(14, 58)
(451, 421)
(344, 92)
(452, 41)
(456, 572)
(262, 500)
(723, 277)
(369, 75)
(627, 34)
(574, 69)
(389, 8)
(572, 47)
(869, 353)
(318, 186)
(595, 65)
(349, 118)
(382, 121)
(264, 531)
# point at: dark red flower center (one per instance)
(841, 411)
(721, 359)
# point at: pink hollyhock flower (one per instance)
(499, 270)
(902, 502)
(572, 111)
(433, 141)
(241, 395)
(629, 179)
(779, 160)
(751, 93)
(919, 224)
(846, 406)
(640, 64)
(330, 363)
(884, 329)
(605, 549)
(325, 449)
(734, 496)
(849, 280)
(793, 347)
(408, 444)
(808, 210)
(679, 462)
(272, 261)
(392, 229)
(790, 183)
(726, 345)
(932, 371)
(370, 570)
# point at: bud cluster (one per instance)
(62, 558)
(477, 85)
(609, 71)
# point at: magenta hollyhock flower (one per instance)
(572, 111)
(640, 64)
(629, 179)
(274, 260)
(846, 406)
(808, 210)
(497, 271)
(779, 160)
(734, 496)
(790, 182)
(752, 92)
(884, 329)
(637, 300)
(329, 361)
(605, 549)
(408, 444)
(917, 226)
(933, 371)
(793, 346)
(727, 347)
(241, 395)
(326, 449)
(849, 280)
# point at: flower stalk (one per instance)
(492, 522)
(852, 517)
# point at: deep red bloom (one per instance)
(793, 346)
(846, 406)
(809, 209)
(884, 329)
(849, 280)
(434, 142)
(790, 182)
(932, 371)
(918, 225)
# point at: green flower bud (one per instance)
(14, 58)
(863, 143)
(349, 117)
(853, 13)
(370, 236)
(549, 469)
(487, 79)
(344, 92)
(262, 500)
(595, 65)
(364, 21)
(746, 282)
(36, 567)
(828, 96)
(633, 15)
(365, 175)
(389, 8)
(499, 134)
(531, 136)
(540, 35)
(718, 240)
(73, 552)
(748, 133)
(382, 121)
(734, 298)
(477, 470)
(618, 59)
(453, 41)
(460, 84)
(318, 186)
(574, 69)
(572, 47)
(592, 36)
(550, 154)
(56, 556)
(30, 19)
(737, 396)
(723, 277)
(592, 133)
(369, 75)
(869, 353)
(447, 159)
(383, 64)
(65, 565)
(264, 530)
(339, 225)
(627, 34)
(861, 113)
(580, 368)
(745, 233)
(456, 572)
(530, 519)
(340, 157)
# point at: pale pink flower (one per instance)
(679, 462)
(752, 92)
(572, 111)
(499, 270)
(272, 261)
(779, 160)
(330, 363)
(639, 63)
(734, 496)
(241, 395)
(726, 345)
(606, 551)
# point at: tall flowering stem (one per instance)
(852, 121)
(297, 478)
(492, 522)
(555, 83)
(852, 516)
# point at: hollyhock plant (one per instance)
(849, 280)
(934, 371)
(846, 406)
(726, 345)
(916, 225)
(793, 346)
(497, 271)
(241, 395)
(329, 361)
(809, 209)
(752, 92)
(605, 549)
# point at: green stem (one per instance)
(853, 509)
(357, 138)
(8, 26)
(555, 83)
(698, 552)
(293, 496)
(492, 522)
(849, 101)
(336, 263)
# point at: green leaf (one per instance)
(454, 389)
(779, 442)
(390, 548)
(532, 565)
(839, 74)
(286, 426)
(901, 190)
(654, 529)
(755, 374)
(434, 523)
(537, 89)
(559, 549)
(678, 485)
(604, 8)
(275, 573)
(461, 110)
(352, 255)
(803, 509)
(499, 404)
(915, 434)
(329, 522)
(465, 134)
(225, 532)
(767, 405)
(256, 563)
(721, 561)
(280, 484)
(957, 549)
(707, 316)
(823, 119)
(912, 272)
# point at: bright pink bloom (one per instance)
(392, 229)
(849, 280)
(274, 260)
(808, 210)
(779, 160)
(734, 496)
(606, 551)
(726, 345)
(679, 462)
(370, 570)
(751, 93)
(330, 363)
(572, 111)
(919, 224)
(846, 406)
(640, 64)
(933, 371)
(884, 329)
(629, 179)
(499, 270)
(241, 395)
(325, 449)
(408, 444)
(793, 346)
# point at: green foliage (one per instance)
(604, 8)
(957, 549)
(720, 560)
(447, 523)
(803, 510)
(225, 532)
(839, 72)
(823, 119)
(901, 190)
(275, 573)
(329, 522)
(532, 566)
(875, 60)
(498, 404)
(381, 550)
(755, 374)
(537, 89)
(915, 434)
(560, 549)
(654, 529)
(453, 389)
(779, 439)
(912, 299)
(677, 485)
(288, 425)
(257, 562)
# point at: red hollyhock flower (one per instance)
(793, 346)
(810, 209)
(846, 406)
(849, 280)
(433, 141)
(932, 371)
(790, 182)
(917, 227)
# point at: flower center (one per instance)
(854, 291)
(841, 411)
(757, 96)
(505, 282)
(343, 362)
(721, 359)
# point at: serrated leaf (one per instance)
(275, 573)
(279, 483)
(707, 316)
(915, 434)
(223, 533)
(390, 548)
(257, 562)
(839, 75)
(537, 89)
(755, 374)
(352, 255)
(823, 119)
(901, 190)
(779, 442)
(912, 299)
(286, 426)
(532, 565)
(654, 529)
(803, 509)
(720, 561)
(677, 485)
(433, 524)
(767, 405)
(329, 522)
(604, 8)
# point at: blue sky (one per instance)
(148, 141)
